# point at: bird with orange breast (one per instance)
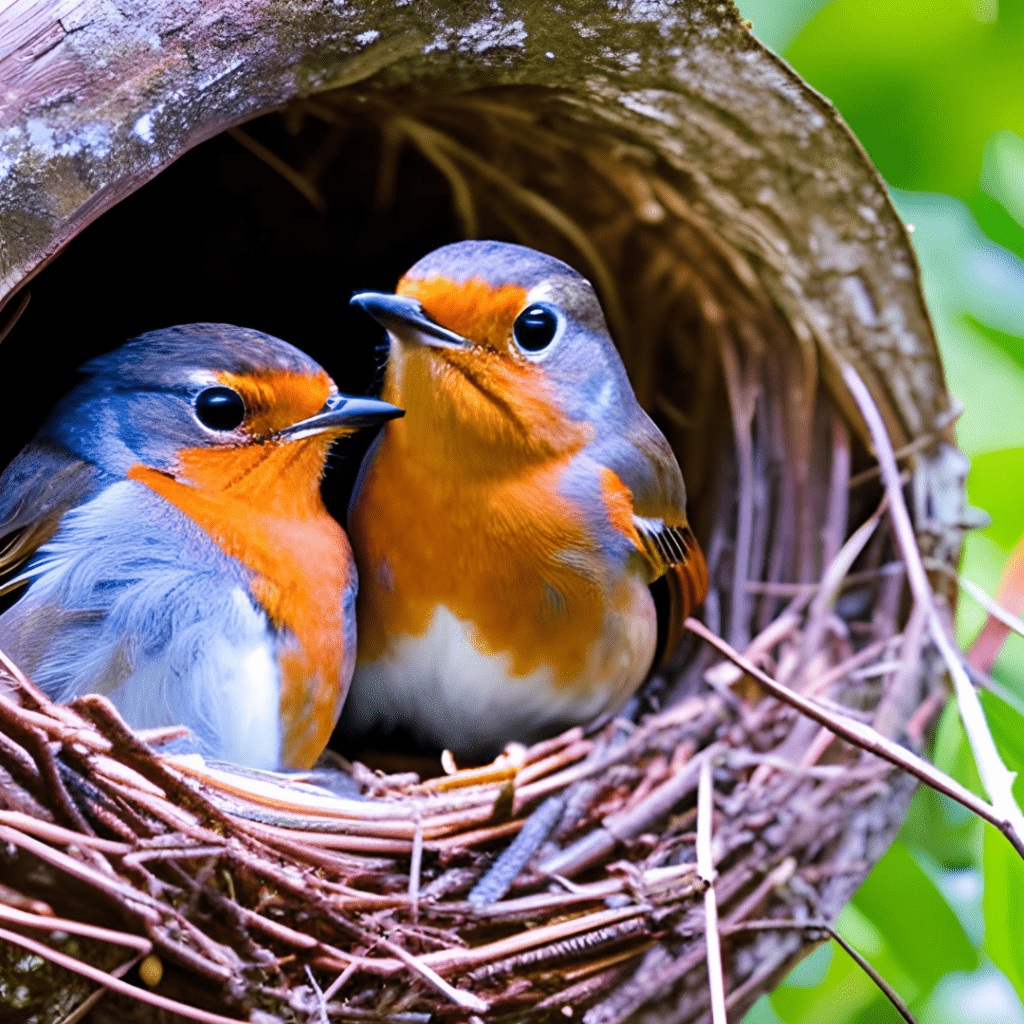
(166, 532)
(507, 531)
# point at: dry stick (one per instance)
(742, 406)
(706, 870)
(340, 981)
(144, 906)
(865, 737)
(457, 995)
(891, 994)
(771, 925)
(917, 445)
(1007, 696)
(320, 1001)
(90, 1001)
(301, 185)
(415, 864)
(997, 779)
(63, 924)
(990, 604)
(34, 742)
(59, 835)
(109, 981)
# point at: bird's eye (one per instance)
(535, 328)
(220, 408)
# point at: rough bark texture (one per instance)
(98, 97)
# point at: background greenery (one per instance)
(934, 89)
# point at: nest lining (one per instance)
(294, 907)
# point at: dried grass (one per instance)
(562, 881)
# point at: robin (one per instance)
(167, 528)
(508, 530)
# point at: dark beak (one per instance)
(404, 318)
(344, 415)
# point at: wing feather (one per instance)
(673, 553)
(37, 488)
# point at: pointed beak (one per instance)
(343, 414)
(405, 319)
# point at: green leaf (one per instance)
(921, 931)
(1003, 904)
(996, 484)
(922, 84)
(1007, 727)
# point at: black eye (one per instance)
(220, 408)
(534, 328)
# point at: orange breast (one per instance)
(509, 555)
(261, 505)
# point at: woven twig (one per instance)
(271, 900)
(565, 876)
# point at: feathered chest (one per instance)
(533, 560)
(300, 565)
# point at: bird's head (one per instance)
(205, 402)
(500, 352)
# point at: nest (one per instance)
(574, 878)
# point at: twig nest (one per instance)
(745, 252)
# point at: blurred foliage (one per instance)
(934, 90)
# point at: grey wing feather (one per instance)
(131, 599)
(36, 490)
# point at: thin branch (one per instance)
(995, 776)
(62, 924)
(772, 925)
(917, 445)
(109, 981)
(458, 996)
(706, 870)
(865, 737)
(91, 1000)
(890, 993)
(321, 1002)
(415, 864)
(989, 603)
(831, 582)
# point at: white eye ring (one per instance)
(537, 328)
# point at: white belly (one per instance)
(230, 698)
(445, 691)
(132, 600)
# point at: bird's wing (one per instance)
(674, 556)
(36, 489)
(656, 523)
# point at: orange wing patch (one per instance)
(618, 500)
(476, 310)
(276, 399)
